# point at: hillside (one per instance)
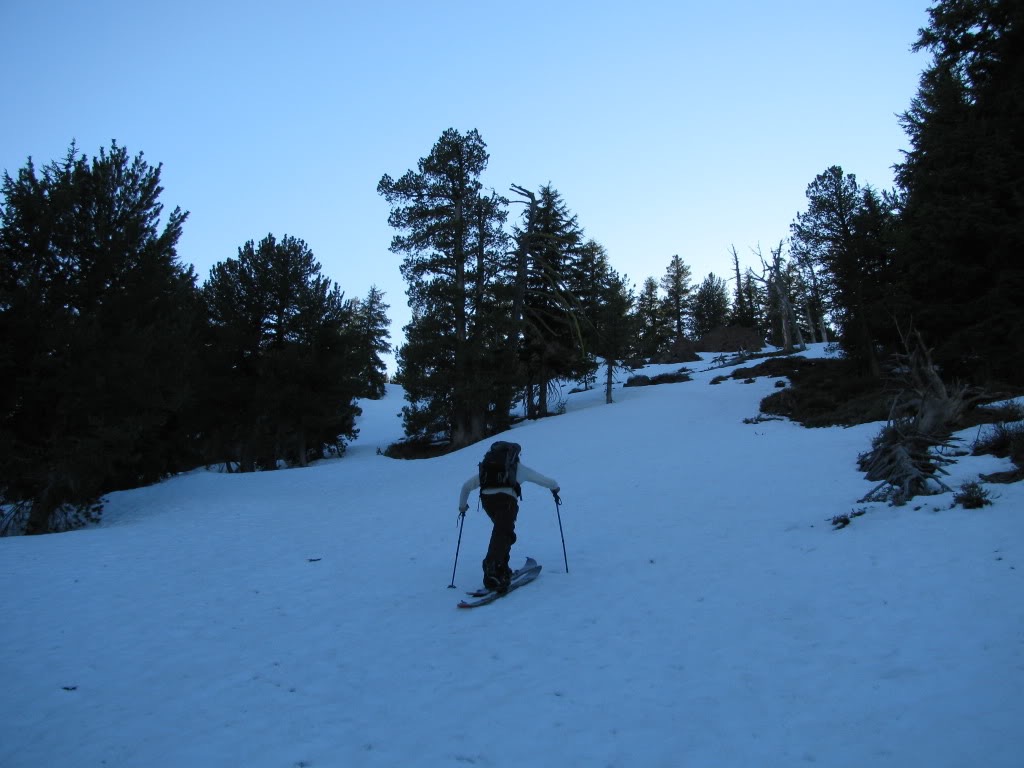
(711, 615)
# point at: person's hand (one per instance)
(554, 492)
(463, 509)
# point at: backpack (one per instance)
(498, 469)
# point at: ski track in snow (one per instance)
(711, 616)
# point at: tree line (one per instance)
(501, 312)
(499, 315)
(120, 369)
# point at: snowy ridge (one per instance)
(712, 616)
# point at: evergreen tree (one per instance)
(495, 376)
(614, 324)
(962, 225)
(97, 317)
(559, 267)
(846, 230)
(676, 284)
(710, 307)
(585, 295)
(370, 334)
(283, 360)
(450, 236)
(653, 323)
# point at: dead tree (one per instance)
(772, 278)
(904, 458)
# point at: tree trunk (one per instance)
(867, 344)
(457, 426)
(40, 515)
(542, 393)
(784, 313)
(741, 308)
(810, 321)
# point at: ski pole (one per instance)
(558, 504)
(462, 522)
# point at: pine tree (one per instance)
(495, 377)
(676, 284)
(283, 361)
(845, 230)
(370, 333)
(653, 323)
(558, 266)
(962, 223)
(98, 318)
(451, 236)
(710, 307)
(585, 294)
(614, 324)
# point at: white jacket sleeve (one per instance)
(467, 487)
(526, 475)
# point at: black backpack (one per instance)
(498, 469)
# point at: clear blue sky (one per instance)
(668, 127)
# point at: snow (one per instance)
(711, 615)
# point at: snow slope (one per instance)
(711, 615)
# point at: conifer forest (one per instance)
(121, 367)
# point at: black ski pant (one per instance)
(502, 508)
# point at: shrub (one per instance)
(1003, 441)
(417, 448)
(822, 393)
(972, 496)
(641, 380)
(841, 521)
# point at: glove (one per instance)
(554, 492)
(463, 509)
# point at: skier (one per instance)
(499, 478)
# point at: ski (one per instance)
(526, 574)
(530, 563)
